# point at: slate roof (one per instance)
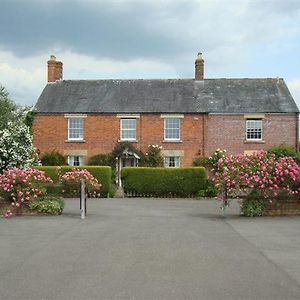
(167, 96)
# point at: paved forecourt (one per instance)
(149, 249)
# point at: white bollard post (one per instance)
(82, 198)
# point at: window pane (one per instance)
(75, 160)
(172, 128)
(171, 161)
(254, 129)
(75, 128)
(128, 129)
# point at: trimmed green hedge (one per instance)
(180, 182)
(102, 173)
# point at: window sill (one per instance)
(254, 142)
(74, 141)
(130, 141)
(172, 141)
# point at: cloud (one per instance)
(143, 39)
(142, 29)
(294, 87)
(25, 77)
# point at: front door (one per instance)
(127, 162)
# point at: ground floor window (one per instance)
(75, 160)
(172, 161)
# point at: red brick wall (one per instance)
(102, 132)
(228, 132)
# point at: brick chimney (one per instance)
(55, 69)
(199, 67)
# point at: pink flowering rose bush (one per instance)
(260, 175)
(71, 183)
(21, 185)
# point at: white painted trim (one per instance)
(262, 130)
(128, 116)
(127, 139)
(174, 116)
(75, 139)
(172, 139)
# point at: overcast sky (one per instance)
(147, 39)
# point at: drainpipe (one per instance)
(203, 135)
(297, 132)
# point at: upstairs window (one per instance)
(254, 130)
(128, 129)
(171, 161)
(75, 129)
(75, 160)
(172, 129)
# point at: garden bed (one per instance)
(283, 207)
(48, 207)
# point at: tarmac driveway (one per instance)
(150, 249)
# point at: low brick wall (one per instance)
(283, 207)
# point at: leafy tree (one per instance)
(29, 116)
(153, 157)
(8, 109)
(16, 148)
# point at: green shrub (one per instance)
(201, 161)
(54, 188)
(285, 150)
(101, 160)
(71, 183)
(47, 205)
(53, 158)
(253, 207)
(153, 157)
(101, 173)
(50, 171)
(181, 182)
(209, 191)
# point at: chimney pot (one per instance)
(199, 67)
(55, 69)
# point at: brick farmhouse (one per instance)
(187, 117)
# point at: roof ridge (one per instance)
(169, 79)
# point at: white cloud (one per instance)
(147, 39)
(294, 87)
(25, 78)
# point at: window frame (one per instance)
(165, 129)
(80, 160)
(175, 158)
(261, 130)
(69, 129)
(126, 129)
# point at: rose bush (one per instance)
(71, 183)
(262, 174)
(20, 185)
